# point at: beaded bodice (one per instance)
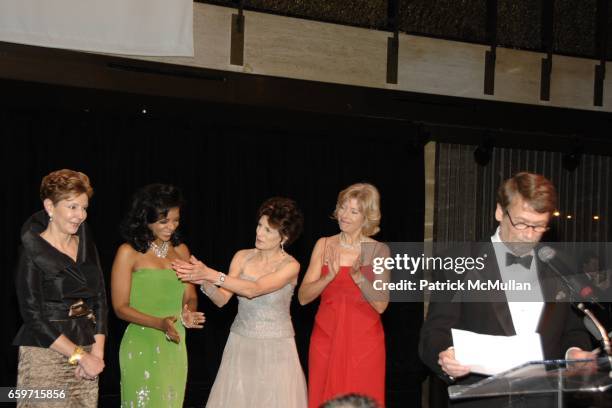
(265, 316)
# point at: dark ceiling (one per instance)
(576, 27)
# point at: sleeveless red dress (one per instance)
(347, 346)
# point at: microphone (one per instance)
(577, 286)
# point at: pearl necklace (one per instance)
(160, 251)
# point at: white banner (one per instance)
(134, 27)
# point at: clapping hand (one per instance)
(192, 320)
(170, 330)
(332, 260)
(356, 274)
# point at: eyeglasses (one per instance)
(521, 226)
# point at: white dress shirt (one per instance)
(525, 314)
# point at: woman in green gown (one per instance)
(158, 306)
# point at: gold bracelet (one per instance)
(76, 356)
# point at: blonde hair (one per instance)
(368, 198)
(61, 184)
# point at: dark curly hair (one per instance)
(150, 204)
(283, 215)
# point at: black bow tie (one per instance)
(525, 261)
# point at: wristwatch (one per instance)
(220, 279)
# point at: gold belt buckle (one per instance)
(78, 309)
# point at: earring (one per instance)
(50, 217)
(282, 247)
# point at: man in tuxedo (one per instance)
(525, 204)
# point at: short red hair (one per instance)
(61, 184)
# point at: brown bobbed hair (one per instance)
(62, 184)
(535, 189)
(283, 215)
(368, 198)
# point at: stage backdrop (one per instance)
(465, 191)
(225, 171)
(137, 27)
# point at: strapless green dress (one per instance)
(153, 369)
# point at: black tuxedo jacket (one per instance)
(560, 325)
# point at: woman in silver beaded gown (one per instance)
(260, 365)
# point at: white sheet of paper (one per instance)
(490, 355)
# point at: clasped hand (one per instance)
(89, 367)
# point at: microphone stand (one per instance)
(547, 257)
(605, 339)
(602, 331)
(574, 294)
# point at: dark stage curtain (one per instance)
(465, 191)
(225, 171)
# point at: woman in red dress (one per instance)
(347, 346)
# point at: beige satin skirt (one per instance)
(43, 368)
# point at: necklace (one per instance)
(160, 251)
(342, 242)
